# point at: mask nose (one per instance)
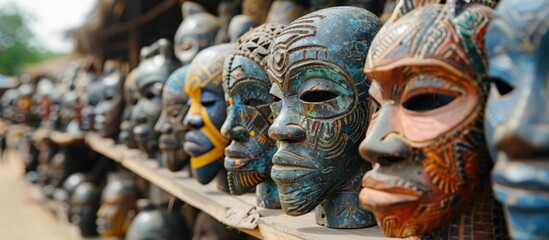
(524, 140)
(232, 128)
(139, 115)
(236, 133)
(383, 143)
(525, 134)
(284, 128)
(193, 122)
(163, 126)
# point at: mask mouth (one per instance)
(241, 182)
(237, 157)
(167, 142)
(102, 225)
(196, 144)
(511, 178)
(285, 158)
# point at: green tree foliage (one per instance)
(17, 42)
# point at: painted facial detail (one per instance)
(170, 124)
(118, 206)
(152, 72)
(207, 112)
(109, 109)
(426, 137)
(246, 85)
(517, 114)
(321, 104)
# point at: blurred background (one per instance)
(35, 31)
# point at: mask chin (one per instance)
(207, 173)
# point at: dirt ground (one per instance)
(22, 218)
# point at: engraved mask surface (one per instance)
(517, 114)
(429, 84)
(247, 86)
(152, 72)
(108, 111)
(207, 112)
(321, 105)
(170, 124)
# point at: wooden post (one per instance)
(134, 35)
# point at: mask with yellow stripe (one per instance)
(207, 112)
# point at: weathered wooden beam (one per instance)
(139, 20)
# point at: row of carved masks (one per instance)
(157, 62)
(195, 33)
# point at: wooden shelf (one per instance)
(64, 139)
(237, 212)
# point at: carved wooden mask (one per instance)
(153, 70)
(130, 99)
(118, 207)
(109, 109)
(85, 203)
(170, 124)
(321, 103)
(197, 31)
(517, 114)
(246, 85)
(207, 112)
(425, 139)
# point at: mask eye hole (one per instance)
(187, 46)
(276, 99)
(427, 102)
(207, 103)
(503, 87)
(253, 102)
(318, 96)
(150, 95)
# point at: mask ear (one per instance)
(160, 49)
(457, 6)
(471, 22)
(405, 6)
(190, 8)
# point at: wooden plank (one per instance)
(272, 224)
(281, 226)
(63, 138)
(41, 134)
(106, 147)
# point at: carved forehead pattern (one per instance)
(207, 67)
(255, 45)
(176, 81)
(433, 34)
(301, 28)
(525, 23)
(335, 37)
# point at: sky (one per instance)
(53, 18)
